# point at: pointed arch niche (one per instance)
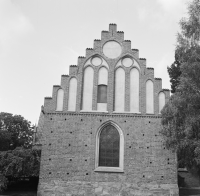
(102, 89)
(149, 97)
(72, 94)
(109, 148)
(119, 90)
(134, 90)
(88, 89)
(59, 100)
(161, 98)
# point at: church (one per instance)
(100, 130)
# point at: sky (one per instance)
(40, 39)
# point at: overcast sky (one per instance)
(39, 39)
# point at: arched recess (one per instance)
(88, 88)
(72, 94)
(59, 101)
(161, 98)
(102, 89)
(109, 148)
(149, 97)
(134, 90)
(119, 90)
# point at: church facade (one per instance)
(100, 130)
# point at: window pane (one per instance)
(109, 147)
(102, 94)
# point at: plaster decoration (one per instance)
(72, 94)
(161, 100)
(134, 90)
(149, 97)
(88, 89)
(60, 97)
(112, 49)
(127, 62)
(96, 61)
(103, 76)
(119, 90)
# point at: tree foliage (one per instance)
(19, 163)
(181, 115)
(17, 159)
(15, 131)
(188, 38)
(174, 72)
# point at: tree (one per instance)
(174, 73)
(19, 163)
(187, 39)
(181, 115)
(14, 131)
(17, 159)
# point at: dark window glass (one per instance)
(109, 147)
(102, 94)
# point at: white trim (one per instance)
(94, 111)
(126, 112)
(109, 169)
(121, 150)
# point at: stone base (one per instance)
(78, 188)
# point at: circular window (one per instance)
(112, 49)
(96, 61)
(127, 62)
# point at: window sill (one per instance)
(94, 111)
(109, 169)
(118, 112)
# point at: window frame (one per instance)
(119, 169)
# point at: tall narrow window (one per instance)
(88, 89)
(102, 89)
(119, 90)
(109, 148)
(60, 97)
(72, 94)
(149, 97)
(161, 101)
(134, 90)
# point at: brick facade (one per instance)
(69, 138)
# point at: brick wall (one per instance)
(69, 144)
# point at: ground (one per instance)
(183, 192)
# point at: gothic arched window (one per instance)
(110, 148)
